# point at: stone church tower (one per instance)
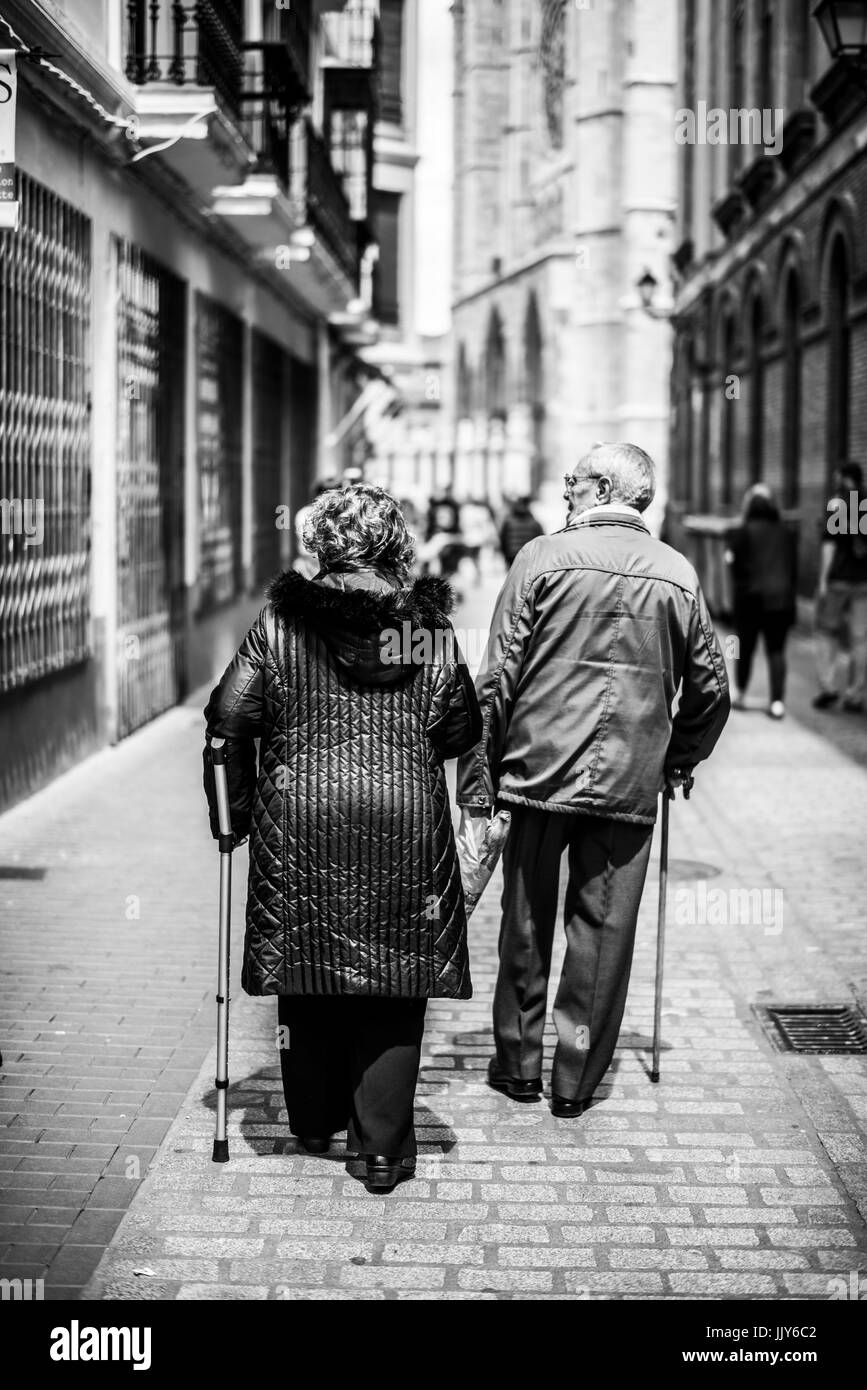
(565, 177)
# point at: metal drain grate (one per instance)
(817, 1028)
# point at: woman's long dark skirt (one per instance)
(351, 1062)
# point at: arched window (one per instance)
(686, 431)
(729, 406)
(839, 358)
(465, 385)
(495, 368)
(792, 365)
(535, 388)
(757, 390)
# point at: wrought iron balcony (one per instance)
(318, 197)
(189, 45)
(281, 58)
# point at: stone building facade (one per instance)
(565, 168)
(771, 308)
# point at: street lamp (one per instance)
(844, 28)
(647, 286)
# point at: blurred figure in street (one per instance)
(443, 515)
(355, 916)
(518, 527)
(443, 547)
(306, 563)
(479, 531)
(595, 631)
(841, 597)
(762, 552)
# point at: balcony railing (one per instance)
(318, 195)
(198, 44)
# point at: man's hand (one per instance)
(678, 777)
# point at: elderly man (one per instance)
(594, 631)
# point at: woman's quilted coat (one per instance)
(354, 885)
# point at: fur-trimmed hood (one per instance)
(358, 612)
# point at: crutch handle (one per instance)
(226, 840)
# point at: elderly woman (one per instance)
(354, 685)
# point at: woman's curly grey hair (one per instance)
(352, 527)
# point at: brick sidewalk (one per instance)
(108, 958)
(740, 1175)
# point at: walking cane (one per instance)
(226, 842)
(667, 796)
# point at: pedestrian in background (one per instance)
(762, 553)
(841, 598)
(479, 532)
(519, 526)
(594, 632)
(355, 910)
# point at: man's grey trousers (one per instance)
(608, 862)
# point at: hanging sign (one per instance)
(8, 96)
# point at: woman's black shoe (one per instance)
(568, 1109)
(384, 1173)
(513, 1086)
(313, 1143)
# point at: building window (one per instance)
(149, 483)
(391, 60)
(729, 405)
(737, 79)
(766, 54)
(386, 275)
(552, 51)
(45, 438)
(757, 391)
(686, 431)
(689, 103)
(465, 385)
(268, 367)
(349, 157)
(792, 364)
(495, 368)
(219, 361)
(839, 359)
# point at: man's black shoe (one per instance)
(513, 1086)
(568, 1109)
(313, 1143)
(825, 700)
(384, 1173)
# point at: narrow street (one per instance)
(743, 1174)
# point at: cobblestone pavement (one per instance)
(741, 1175)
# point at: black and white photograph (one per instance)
(433, 673)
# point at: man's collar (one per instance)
(606, 511)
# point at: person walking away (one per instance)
(519, 526)
(478, 532)
(355, 687)
(762, 552)
(841, 598)
(595, 631)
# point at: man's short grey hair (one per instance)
(631, 470)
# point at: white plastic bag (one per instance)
(479, 853)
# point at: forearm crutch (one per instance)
(226, 842)
(667, 796)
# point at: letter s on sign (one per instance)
(6, 85)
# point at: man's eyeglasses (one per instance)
(571, 481)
